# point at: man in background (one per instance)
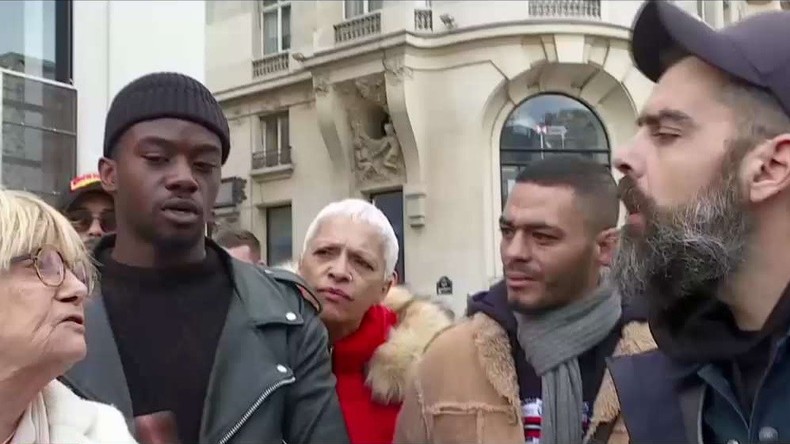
(529, 363)
(89, 208)
(241, 244)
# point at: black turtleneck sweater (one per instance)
(167, 324)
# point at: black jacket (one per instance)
(687, 392)
(271, 380)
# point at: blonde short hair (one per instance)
(27, 223)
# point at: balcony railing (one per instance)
(565, 8)
(268, 159)
(423, 20)
(270, 64)
(358, 27)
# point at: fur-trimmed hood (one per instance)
(419, 321)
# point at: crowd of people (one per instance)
(121, 321)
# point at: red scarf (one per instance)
(367, 421)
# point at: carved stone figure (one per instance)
(362, 161)
(376, 159)
(372, 88)
(320, 85)
(391, 149)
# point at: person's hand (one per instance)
(156, 428)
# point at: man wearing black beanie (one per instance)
(183, 339)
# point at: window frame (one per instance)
(263, 125)
(701, 9)
(519, 165)
(64, 41)
(400, 264)
(262, 11)
(365, 9)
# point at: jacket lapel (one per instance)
(646, 384)
(100, 375)
(248, 362)
(493, 352)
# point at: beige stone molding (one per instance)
(414, 197)
(273, 173)
(321, 85)
(395, 69)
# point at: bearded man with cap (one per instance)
(189, 343)
(707, 186)
(89, 208)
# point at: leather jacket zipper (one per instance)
(699, 417)
(266, 393)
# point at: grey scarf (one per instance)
(552, 341)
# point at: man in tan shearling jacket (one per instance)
(529, 365)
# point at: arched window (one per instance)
(546, 125)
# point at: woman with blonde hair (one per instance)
(45, 277)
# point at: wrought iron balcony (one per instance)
(268, 159)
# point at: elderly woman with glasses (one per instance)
(45, 277)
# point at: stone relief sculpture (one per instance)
(376, 159)
(372, 88)
(320, 85)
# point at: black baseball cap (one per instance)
(79, 186)
(755, 50)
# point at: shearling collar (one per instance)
(419, 321)
(493, 351)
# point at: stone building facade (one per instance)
(428, 109)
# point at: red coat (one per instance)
(367, 421)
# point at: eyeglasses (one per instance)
(51, 268)
(82, 220)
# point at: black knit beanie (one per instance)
(165, 94)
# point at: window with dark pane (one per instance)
(391, 204)
(547, 125)
(275, 22)
(273, 147)
(279, 238)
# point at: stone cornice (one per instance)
(422, 41)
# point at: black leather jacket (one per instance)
(272, 379)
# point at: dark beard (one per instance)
(686, 250)
(566, 288)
